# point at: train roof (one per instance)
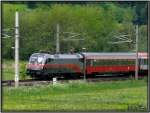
(95, 55)
(143, 55)
(67, 56)
(39, 54)
(113, 55)
(61, 56)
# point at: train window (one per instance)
(113, 62)
(145, 62)
(91, 62)
(39, 60)
(48, 61)
(103, 62)
(81, 60)
(140, 61)
(118, 62)
(36, 60)
(127, 62)
(33, 60)
(96, 62)
(88, 62)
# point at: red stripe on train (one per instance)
(92, 69)
(73, 67)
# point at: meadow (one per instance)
(127, 95)
(8, 69)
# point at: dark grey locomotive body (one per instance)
(43, 64)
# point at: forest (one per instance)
(96, 23)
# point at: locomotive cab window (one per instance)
(48, 61)
(40, 60)
(36, 60)
(81, 60)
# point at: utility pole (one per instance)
(136, 47)
(123, 39)
(16, 49)
(57, 40)
(84, 71)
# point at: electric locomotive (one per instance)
(49, 65)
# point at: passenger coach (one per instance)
(120, 63)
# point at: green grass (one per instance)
(128, 95)
(8, 69)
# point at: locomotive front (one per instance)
(36, 64)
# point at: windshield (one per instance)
(36, 60)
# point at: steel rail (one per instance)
(31, 82)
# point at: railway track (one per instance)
(28, 82)
(31, 82)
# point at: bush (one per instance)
(23, 71)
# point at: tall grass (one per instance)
(129, 95)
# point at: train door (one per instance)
(143, 64)
(144, 67)
(48, 67)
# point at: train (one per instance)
(42, 65)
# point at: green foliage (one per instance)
(97, 24)
(143, 41)
(23, 70)
(8, 70)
